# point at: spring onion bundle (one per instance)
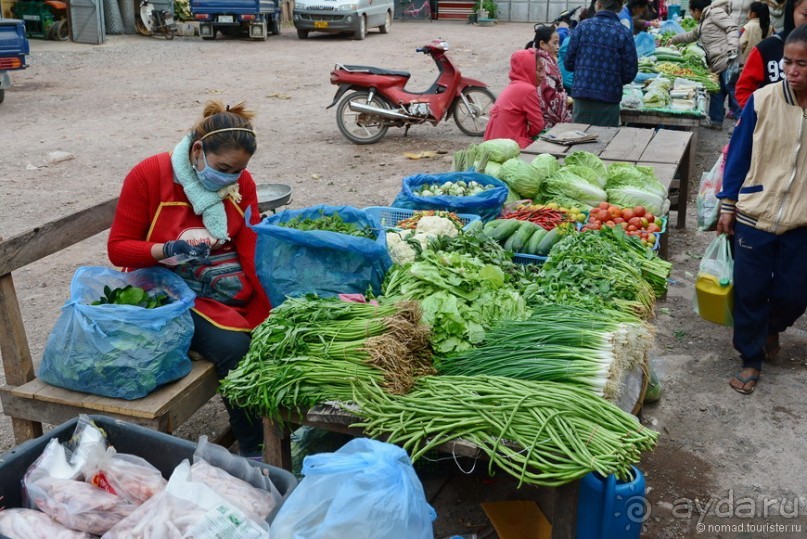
(654, 270)
(559, 343)
(311, 350)
(543, 433)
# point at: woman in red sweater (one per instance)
(193, 202)
(517, 113)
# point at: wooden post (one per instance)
(17, 364)
(276, 444)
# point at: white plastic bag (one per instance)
(707, 201)
(31, 524)
(713, 299)
(187, 509)
(365, 489)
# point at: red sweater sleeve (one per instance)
(138, 201)
(751, 78)
(535, 118)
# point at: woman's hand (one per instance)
(725, 223)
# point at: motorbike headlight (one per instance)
(348, 7)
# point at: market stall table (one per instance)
(670, 153)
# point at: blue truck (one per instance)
(13, 49)
(256, 19)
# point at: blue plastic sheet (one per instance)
(645, 44)
(366, 488)
(487, 205)
(292, 262)
(120, 351)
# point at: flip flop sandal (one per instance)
(752, 378)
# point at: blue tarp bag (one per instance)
(121, 351)
(487, 204)
(645, 44)
(366, 488)
(292, 262)
(671, 26)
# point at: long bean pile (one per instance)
(542, 433)
(311, 350)
(559, 343)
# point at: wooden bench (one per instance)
(31, 402)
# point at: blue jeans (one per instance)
(717, 110)
(770, 287)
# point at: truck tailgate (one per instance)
(237, 7)
(13, 44)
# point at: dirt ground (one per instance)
(739, 460)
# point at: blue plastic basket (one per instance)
(522, 258)
(390, 217)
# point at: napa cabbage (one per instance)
(591, 161)
(566, 183)
(499, 149)
(520, 177)
(546, 165)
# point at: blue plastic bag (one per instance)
(120, 351)
(292, 262)
(487, 204)
(645, 44)
(671, 26)
(366, 488)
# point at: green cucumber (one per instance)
(522, 235)
(474, 228)
(547, 242)
(531, 247)
(504, 229)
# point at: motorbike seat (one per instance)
(378, 71)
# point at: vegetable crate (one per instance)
(162, 450)
(390, 217)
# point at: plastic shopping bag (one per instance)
(122, 351)
(292, 262)
(487, 204)
(31, 524)
(714, 286)
(365, 489)
(707, 201)
(645, 44)
(671, 26)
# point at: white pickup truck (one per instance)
(342, 16)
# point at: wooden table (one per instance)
(670, 153)
(559, 503)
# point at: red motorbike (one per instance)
(379, 99)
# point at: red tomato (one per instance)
(618, 220)
(627, 214)
(650, 217)
(596, 223)
(610, 223)
(624, 225)
(603, 205)
(633, 233)
(632, 228)
(636, 222)
(653, 227)
(639, 211)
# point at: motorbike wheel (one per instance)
(359, 127)
(168, 32)
(473, 119)
(59, 31)
(361, 31)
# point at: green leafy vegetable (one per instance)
(500, 149)
(331, 223)
(590, 161)
(566, 183)
(520, 177)
(132, 295)
(546, 165)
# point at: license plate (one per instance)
(225, 18)
(320, 24)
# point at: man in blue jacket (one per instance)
(603, 57)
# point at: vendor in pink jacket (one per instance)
(517, 113)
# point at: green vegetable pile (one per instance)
(331, 223)
(312, 349)
(132, 295)
(460, 293)
(543, 433)
(630, 186)
(454, 189)
(559, 343)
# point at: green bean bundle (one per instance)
(559, 343)
(542, 433)
(311, 350)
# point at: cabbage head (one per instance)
(492, 169)
(546, 164)
(587, 174)
(499, 149)
(566, 183)
(629, 196)
(520, 177)
(625, 174)
(588, 160)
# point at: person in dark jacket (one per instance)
(603, 57)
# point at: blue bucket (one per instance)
(611, 509)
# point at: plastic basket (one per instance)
(522, 258)
(390, 217)
(162, 450)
